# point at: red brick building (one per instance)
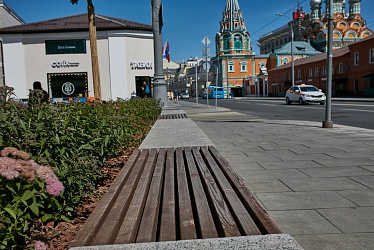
(353, 71)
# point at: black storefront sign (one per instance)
(65, 47)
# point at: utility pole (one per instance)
(159, 83)
(93, 47)
(327, 123)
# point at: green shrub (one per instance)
(76, 139)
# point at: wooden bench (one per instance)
(175, 194)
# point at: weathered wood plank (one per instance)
(149, 221)
(98, 216)
(186, 218)
(225, 222)
(130, 224)
(110, 226)
(242, 217)
(257, 212)
(205, 222)
(168, 213)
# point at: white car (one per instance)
(305, 94)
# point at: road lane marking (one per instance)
(360, 110)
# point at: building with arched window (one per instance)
(349, 27)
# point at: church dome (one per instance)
(315, 3)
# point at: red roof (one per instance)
(75, 23)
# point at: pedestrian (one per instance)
(38, 95)
(147, 91)
(176, 95)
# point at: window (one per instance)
(371, 56)
(65, 47)
(243, 67)
(299, 74)
(310, 72)
(316, 71)
(324, 70)
(289, 75)
(226, 42)
(355, 58)
(284, 61)
(285, 76)
(231, 67)
(238, 43)
(340, 68)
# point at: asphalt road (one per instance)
(356, 114)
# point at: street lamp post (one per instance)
(328, 123)
(292, 60)
(159, 84)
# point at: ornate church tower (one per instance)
(354, 9)
(233, 37)
(234, 60)
(348, 27)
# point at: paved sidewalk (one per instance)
(317, 184)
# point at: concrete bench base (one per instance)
(260, 242)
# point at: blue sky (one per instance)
(187, 22)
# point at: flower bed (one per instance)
(53, 158)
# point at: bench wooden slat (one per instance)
(168, 216)
(186, 219)
(257, 212)
(242, 217)
(149, 221)
(205, 222)
(226, 223)
(99, 215)
(130, 224)
(110, 226)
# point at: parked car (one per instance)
(184, 96)
(305, 94)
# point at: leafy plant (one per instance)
(77, 139)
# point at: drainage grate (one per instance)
(173, 116)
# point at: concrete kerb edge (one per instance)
(258, 242)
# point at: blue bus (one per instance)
(215, 92)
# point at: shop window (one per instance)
(65, 47)
(68, 85)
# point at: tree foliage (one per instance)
(74, 1)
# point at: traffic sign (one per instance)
(206, 41)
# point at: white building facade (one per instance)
(57, 53)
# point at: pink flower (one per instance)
(40, 245)
(132, 115)
(10, 168)
(135, 125)
(117, 108)
(54, 186)
(138, 136)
